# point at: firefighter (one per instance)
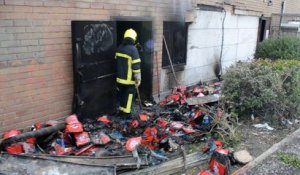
(128, 72)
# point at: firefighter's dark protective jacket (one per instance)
(128, 62)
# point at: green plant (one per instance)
(261, 89)
(289, 159)
(224, 126)
(247, 86)
(227, 130)
(279, 48)
(290, 74)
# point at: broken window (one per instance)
(175, 34)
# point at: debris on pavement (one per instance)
(21, 137)
(265, 125)
(15, 148)
(158, 131)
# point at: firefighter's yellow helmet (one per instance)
(130, 33)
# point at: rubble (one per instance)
(158, 131)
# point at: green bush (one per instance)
(289, 71)
(279, 48)
(263, 89)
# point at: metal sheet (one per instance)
(202, 100)
(119, 161)
(23, 165)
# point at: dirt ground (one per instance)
(255, 140)
(258, 140)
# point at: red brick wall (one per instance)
(35, 52)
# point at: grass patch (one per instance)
(289, 159)
(191, 148)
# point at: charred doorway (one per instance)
(93, 47)
(94, 44)
(263, 29)
(144, 31)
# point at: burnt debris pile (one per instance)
(151, 135)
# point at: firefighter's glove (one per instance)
(137, 78)
(139, 47)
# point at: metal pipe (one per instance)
(139, 96)
(281, 15)
(222, 46)
(158, 83)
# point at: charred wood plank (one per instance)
(172, 166)
(36, 134)
(119, 161)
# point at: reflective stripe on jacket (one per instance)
(128, 63)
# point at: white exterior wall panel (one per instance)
(204, 46)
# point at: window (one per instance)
(175, 34)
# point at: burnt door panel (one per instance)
(94, 44)
(146, 40)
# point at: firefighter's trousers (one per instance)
(126, 95)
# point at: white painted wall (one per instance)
(204, 44)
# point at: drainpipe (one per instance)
(219, 72)
(281, 15)
(222, 45)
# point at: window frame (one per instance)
(169, 30)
